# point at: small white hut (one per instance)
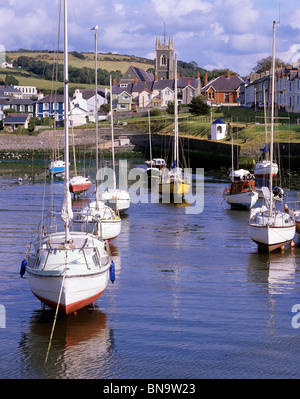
(218, 130)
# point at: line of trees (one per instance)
(47, 71)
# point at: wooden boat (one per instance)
(268, 227)
(67, 270)
(242, 192)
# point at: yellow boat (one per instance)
(172, 181)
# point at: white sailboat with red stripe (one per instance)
(67, 270)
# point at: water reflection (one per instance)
(282, 269)
(81, 344)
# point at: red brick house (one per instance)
(223, 89)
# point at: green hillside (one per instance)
(109, 62)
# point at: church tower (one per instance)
(164, 61)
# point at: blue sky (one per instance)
(231, 34)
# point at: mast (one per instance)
(272, 119)
(112, 134)
(150, 144)
(66, 213)
(176, 155)
(96, 113)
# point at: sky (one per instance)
(218, 34)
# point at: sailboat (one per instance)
(172, 181)
(67, 270)
(98, 218)
(242, 192)
(154, 165)
(78, 184)
(115, 196)
(268, 227)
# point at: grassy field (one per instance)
(243, 122)
(110, 62)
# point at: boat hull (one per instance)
(271, 238)
(263, 169)
(77, 291)
(109, 229)
(116, 198)
(79, 188)
(241, 200)
(174, 188)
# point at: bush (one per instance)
(155, 112)
(198, 106)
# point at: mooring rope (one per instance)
(57, 307)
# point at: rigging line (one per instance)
(50, 40)
(80, 39)
(57, 307)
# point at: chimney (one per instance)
(135, 80)
(156, 77)
(206, 79)
(228, 73)
(114, 82)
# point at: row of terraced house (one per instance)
(256, 91)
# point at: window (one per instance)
(122, 106)
(22, 108)
(46, 106)
(163, 60)
(30, 108)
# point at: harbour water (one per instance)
(192, 299)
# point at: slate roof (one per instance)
(21, 118)
(223, 83)
(89, 93)
(156, 85)
(51, 99)
(142, 75)
(9, 89)
(22, 101)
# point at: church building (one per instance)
(164, 61)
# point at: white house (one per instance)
(27, 91)
(6, 65)
(78, 116)
(218, 130)
(145, 98)
(85, 100)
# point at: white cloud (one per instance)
(295, 18)
(179, 8)
(119, 9)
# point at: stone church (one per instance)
(164, 61)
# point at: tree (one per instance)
(198, 106)
(265, 64)
(170, 107)
(10, 80)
